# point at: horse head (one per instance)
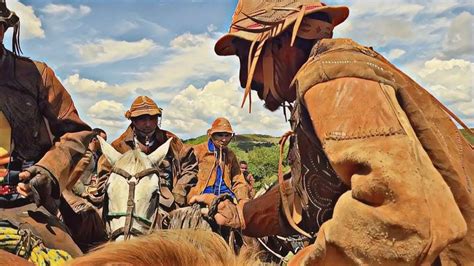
(133, 188)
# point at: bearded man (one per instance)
(42, 139)
(380, 174)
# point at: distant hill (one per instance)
(245, 142)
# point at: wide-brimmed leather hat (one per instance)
(143, 105)
(221, 124)
(8, 17)
(254, 17)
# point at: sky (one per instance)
(106, 53)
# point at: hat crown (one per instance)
(269, 11)
(143, 105)
(221, 124)
(254, 18)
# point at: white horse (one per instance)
(133, 190)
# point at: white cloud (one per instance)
(459, 39)
(398, 8)
(451, 81)
(31, 26)
(398, 22)
(192, 110)
(88, 87)
(83, 10)
(395, 53)
(190, 59)
(211, 28)
(109, 115)
(82, 85)
(467, 109)
(138, 24)
(108, 50)
(66, 10)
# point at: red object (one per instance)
(6, 190)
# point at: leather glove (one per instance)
(40, 188)
(228, 214)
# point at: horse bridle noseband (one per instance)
(132, 181)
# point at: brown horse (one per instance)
(7, 258)
(164, 247)
(169, 247)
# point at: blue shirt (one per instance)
(219, 186)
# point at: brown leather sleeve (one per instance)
(239, 184)
(188, 176)
(74, 135)
(61, 159)
(57, 106)
(80, 168)
(397, 206)
(263, 217)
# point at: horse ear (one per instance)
(159, 154)
(110, 153)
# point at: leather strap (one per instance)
(121, 231)
(283, 188)
(297, 24)
(253, 64)
(138, 175)
(132, 181)
(130, 208)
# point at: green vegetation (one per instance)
(468, 136)
(261, 152)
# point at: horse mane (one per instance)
(168, 247)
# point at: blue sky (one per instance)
(106, 53)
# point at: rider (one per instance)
(87, 173)
(219, 170)
(377, 164)
(42, 137)
(244, 168)
(179, 168)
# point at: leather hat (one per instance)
(143, 105)
(253, 18)
(221, 124)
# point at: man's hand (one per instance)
(228, 214)
(39, 188)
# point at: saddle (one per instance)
(52, 232)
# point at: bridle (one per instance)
(132, 181)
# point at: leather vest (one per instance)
(20, 102)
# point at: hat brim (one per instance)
(217, 130)
(144, 112)
(224, 46)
